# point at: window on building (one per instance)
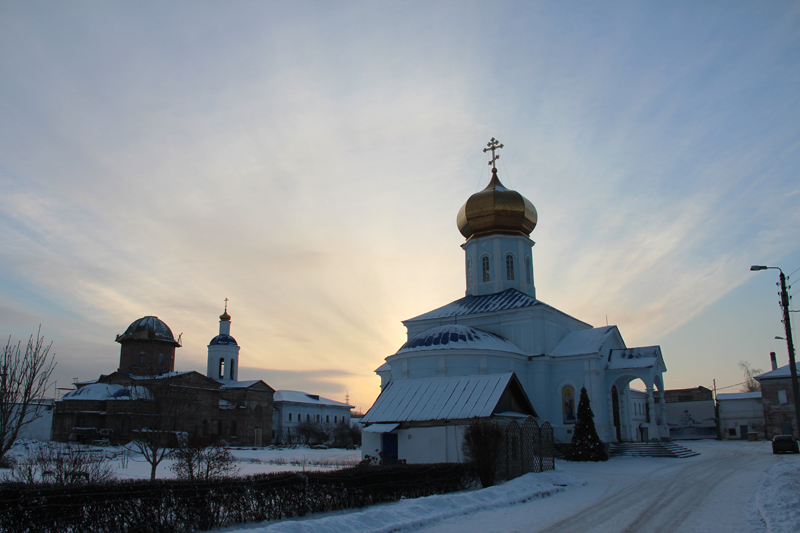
(221, 368)
(335, 419)
(528, 270)
(731, 432)
(510, 267)
(290, 417)
(141, 359)
(160, 359)
(327, 419)
(316, 419)
(485, 269)
(308, 418)
(231, 370)
(782, 397)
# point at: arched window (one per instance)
(231, 371)
(222, 368)
(528, 270)
(485, 269)
(510, 267)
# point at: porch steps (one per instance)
(649, 449)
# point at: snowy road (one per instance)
(715, 491)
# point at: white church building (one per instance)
(500, 328)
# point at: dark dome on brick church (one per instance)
(148, 328)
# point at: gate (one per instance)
(526, 448)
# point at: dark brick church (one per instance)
(146, 392)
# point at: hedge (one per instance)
(177, 506)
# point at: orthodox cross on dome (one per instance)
(226, 305)
(493, 145)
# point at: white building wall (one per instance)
(440, 444)
(735, 413)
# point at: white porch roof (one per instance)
(447, 398)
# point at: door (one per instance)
(743, 432)
(615, 409)
(390, 447)
(258, 437)
(786, 428)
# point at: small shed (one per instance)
(423, 420)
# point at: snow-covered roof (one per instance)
(643, 357)
(470, 305)
(782, 372)
(738, 396)
(584, 341)
(237, 384)
(104, 391)
(385, 367)
(294, 396)
(458, 337)
(448, 398)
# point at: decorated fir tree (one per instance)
(586, 445)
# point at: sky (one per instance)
(306, 160)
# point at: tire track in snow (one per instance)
(663, 501)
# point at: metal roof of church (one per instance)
(458, 337)
(449, 398)
(584, 341)
(641, 357)
(223, 339)
(470, 305)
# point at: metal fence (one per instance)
(528, 447)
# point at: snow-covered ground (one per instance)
(731, 486)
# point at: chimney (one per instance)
(773, 360)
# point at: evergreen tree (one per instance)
(586, 445)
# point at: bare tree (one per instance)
(24, 378)
(156, 420)
(202, 458)
(750, 382)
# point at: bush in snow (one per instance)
(586, 444)
(197, 458)
(61, 465)
(482, 442)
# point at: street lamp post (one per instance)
(789, 343)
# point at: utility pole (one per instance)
(790, 347)
(787, 326)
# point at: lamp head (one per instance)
(755, 268)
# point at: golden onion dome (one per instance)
(496, 210)
(225, 317)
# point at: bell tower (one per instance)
(223, 351)
(497, 223)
